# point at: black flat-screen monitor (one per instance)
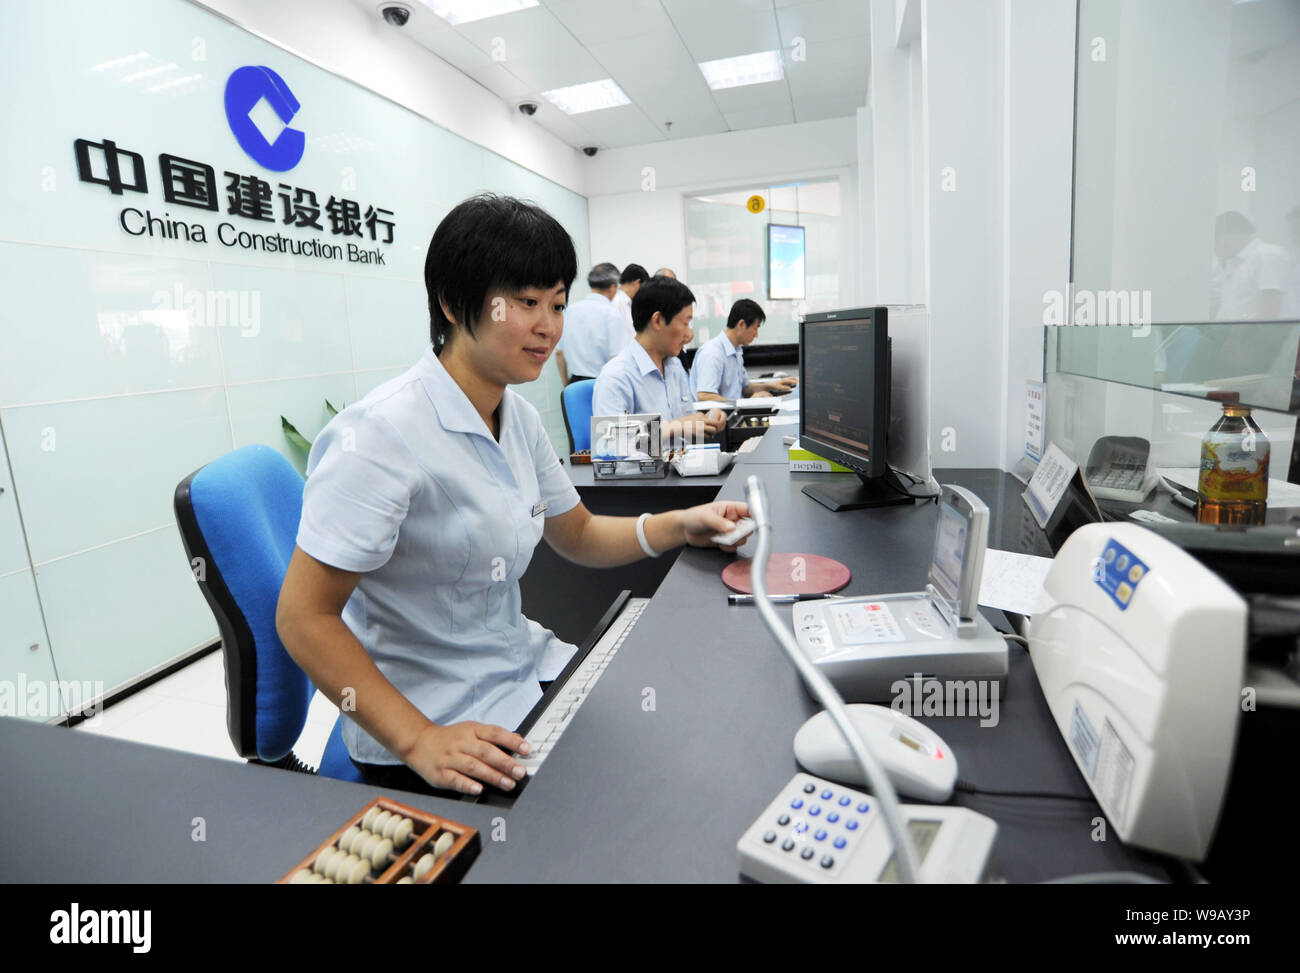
(844, 414)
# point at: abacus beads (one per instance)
(429, 859)
(367, 849)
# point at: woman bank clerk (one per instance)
(422, 507)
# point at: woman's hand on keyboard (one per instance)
(460, 755)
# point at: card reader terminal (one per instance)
(866, 645)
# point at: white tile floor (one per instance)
(187, 711)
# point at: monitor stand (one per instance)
(846, 494)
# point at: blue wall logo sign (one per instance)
(247, 86)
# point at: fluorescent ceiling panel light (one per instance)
(732, 72)
(463, 11)
(578, 98)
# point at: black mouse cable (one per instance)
(968, 788)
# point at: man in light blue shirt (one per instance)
(647, 376)
(718, 371)
(593, 328)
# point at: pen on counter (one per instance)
(775, 599)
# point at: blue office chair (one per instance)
(575, 404)
(239, 515)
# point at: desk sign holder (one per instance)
(1048, 484)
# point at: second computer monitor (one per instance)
(844, 374)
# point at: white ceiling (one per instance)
(651, 48)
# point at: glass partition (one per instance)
(1108, 382)
(1186, 194)
(1259, 361)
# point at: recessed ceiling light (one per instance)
(732, 72)
(463, 11)
(591, 96)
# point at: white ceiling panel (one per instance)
(626, 125)
(823, 20)
(530, 33)
(598, 21)
(760, 117)
(546, 73)
(752, 96)
(693, 126)
(652, 50)
(816, 109)
(659, 55)
(711, 32)
(839, 67)
(678, 9)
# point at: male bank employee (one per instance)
(718, 371)
(629, 282)
(593, 329)
(423, 504)
(647, 376)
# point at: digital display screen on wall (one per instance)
(785, 262)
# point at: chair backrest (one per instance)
(238, 518)
(575, 403)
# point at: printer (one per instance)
(1173, 679)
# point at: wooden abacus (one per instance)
(388, 843)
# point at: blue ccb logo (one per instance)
(244, 89)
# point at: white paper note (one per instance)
(1013, 582)
(783, 421)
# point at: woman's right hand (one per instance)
(460, 755)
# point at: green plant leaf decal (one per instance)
(333, 411)
(294, 436)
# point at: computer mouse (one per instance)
(744, 527)
(918, 762)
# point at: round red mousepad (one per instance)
(790, 574)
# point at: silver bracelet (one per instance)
(641, 538)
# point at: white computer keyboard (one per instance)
(546, 731)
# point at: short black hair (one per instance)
(746, 311)
(633, 272)
(662, 294)
(491, 243)
(602, 276)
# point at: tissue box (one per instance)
(805, 461)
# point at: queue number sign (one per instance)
(756, 204)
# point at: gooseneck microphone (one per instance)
(824, 692)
